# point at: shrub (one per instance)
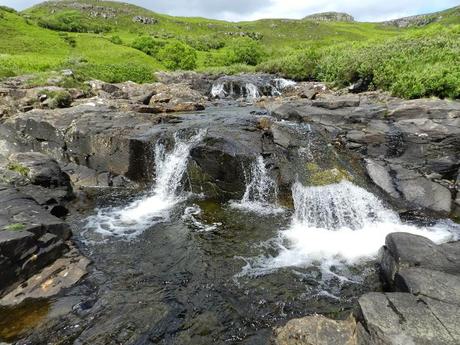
(72, 21)
(177, 55)
(148, 45)
(116, 73)
(116, 40)
(206, 43)
(68, 39)
(421, 63)
(298, 65)
(244, 51)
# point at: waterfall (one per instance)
(131, 220)
(249, 87)
(337, 225)
(261, 192)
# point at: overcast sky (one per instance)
(235, 10)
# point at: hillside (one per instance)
(114, 41)
(448, 16)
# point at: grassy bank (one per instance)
(116, 42)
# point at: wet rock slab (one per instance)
(424, 308)
(63, 273)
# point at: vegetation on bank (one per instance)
(115, 42)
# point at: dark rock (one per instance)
(30, 237)
(41, 170)
(404, 250)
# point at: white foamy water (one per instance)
(192, 215)
(133, 219)
(338, 225)
(261, 194)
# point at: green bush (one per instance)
(298, 65)
(72, 21)
(148, 45)
(178, 55)
(206, 43)
(116, 73)
(421, 63)
(243, 51)
(116, 40)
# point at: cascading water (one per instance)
(338, 225)
(248, 87)
(130, 221)
(261, 192)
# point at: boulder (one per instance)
(404, 250)
(402, 318)
(317, 330)
(40, 169)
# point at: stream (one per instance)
(172, 266)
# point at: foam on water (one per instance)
(338, 225)
(131, 220)
(261, 192)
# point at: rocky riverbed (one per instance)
(237, 209)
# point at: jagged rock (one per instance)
(381, 177)
(403, 250)
(30, 238)
(63, 273)
(421, 191)
(317, 330)
(40, 169)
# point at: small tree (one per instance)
(177, 55)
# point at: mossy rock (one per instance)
(20, 169)
(15, 227)
(323, 177)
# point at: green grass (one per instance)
(100, 39)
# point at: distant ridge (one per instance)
(331, 17)
(423, 19)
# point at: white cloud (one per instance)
(235, 10)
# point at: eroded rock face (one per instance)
(410, 147)
(30, 237)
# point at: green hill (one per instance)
(114, 41)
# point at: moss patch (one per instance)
(15, 227)
(322, 177)
(20, 169)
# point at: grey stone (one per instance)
(381, 177)
(429, 283)
(317, 330)
(403, 319)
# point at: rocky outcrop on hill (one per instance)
(423, 19)
(330, 17)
